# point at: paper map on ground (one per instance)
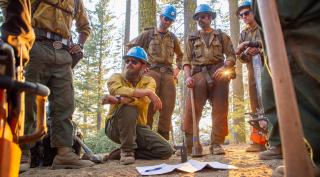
(190, 166)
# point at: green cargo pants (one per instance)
(166, 90)
(302, 46)
(122, 128)
(52, 67)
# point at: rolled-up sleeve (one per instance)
(187, 53)
(82, 21)
(228, 48)
(178, 52)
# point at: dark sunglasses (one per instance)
(246, 13)
(167, 19)
(134, 62)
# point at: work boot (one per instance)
(278, 172)
(274, 152)
(216, 149)
(25, 161)
(127, 158)
(66, 158)
(254, 147)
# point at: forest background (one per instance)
(114, 23)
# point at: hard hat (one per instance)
(204, 8)
(245, 4)
(137, 53)
(170, 12)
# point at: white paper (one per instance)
(191, 166)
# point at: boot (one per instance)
(127, 158)
(216, 149)
(66, 158)
(254, 147)
(274, 152)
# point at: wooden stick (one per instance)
(296, 161)
(196, 152)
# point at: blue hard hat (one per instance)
(137, 53)
(204, 8)
(170, 12)
(245, 4)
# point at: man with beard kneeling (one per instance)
(130, 95)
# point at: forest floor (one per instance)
(248, 163)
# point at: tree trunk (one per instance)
(237, 84)
(147, 14)
(127, 26)
(189, 24)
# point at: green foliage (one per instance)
(100, 143)
(90, 82)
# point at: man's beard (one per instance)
(132, 75)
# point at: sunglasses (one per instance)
(134, 62)
(246, 13)
(167, 19)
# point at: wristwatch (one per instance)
(118, 97)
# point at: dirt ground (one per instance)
(248, 164)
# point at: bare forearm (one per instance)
(141, 93)
(187, 71)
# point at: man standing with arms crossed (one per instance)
(245, 54)
(161, 45)
(204, 66)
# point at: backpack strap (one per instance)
(221, 39)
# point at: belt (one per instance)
(206, 70)
(162, 67)
(52, 36)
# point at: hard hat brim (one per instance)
(213, 14)
(140, 59)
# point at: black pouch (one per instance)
(42, 154)
(76, 57)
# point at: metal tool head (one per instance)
(183, 152)
(92, 157)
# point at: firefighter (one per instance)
(50, 64)
(204, 68)
(131, 92)
(300, 26)
(245, 55)
(161, 45)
